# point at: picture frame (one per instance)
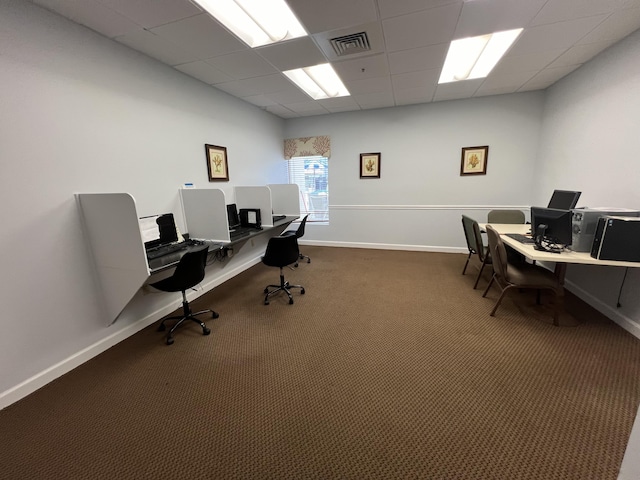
(474, 160)
(370, 165)
(217, 163)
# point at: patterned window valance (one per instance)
(307, 147)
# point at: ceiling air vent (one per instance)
(350, 44)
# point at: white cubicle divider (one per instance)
(256, 197)
(285, 199)
(111, 224)
(205, 213)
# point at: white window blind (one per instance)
(311, 174)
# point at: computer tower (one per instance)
(617, 238)
(585, 220)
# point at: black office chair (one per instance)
(475, 246)
(188, 273)
(299, 233)
(281, 252)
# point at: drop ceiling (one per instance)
(407, 41)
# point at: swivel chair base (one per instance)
(186, 315)
(302, 257)
(283, 287)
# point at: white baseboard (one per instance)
(40, 379)
(385, 246)
(622, 320)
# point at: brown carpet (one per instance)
(388, 368)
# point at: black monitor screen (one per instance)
(557, 224)
(158, 230)
(564, 199)
(232, 215)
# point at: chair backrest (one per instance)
(498, 254)
(281, 251)
(300, 231)
(190, 270)
(505, 216)
(469, 234)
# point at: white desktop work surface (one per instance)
(561, 260)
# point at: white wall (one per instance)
(589, 143)
(81, 113)
(418, 201)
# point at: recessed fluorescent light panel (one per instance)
(256, 22)
(319, 81)
(475, 57)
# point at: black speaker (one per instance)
(617, 238)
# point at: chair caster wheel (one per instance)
(291, 301)
(302, 291)
(215, 315)
(206, 331)
(170, 341)
(161, 328)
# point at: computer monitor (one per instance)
(564, 199)
(556, 225)
(158, 230)
(232, 216)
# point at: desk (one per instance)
(561, 260)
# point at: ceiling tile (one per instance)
(428, 27)
(241, 65)
(395, 8)
(92, 14)
(200, 35)
(563, 10)
(156, 47)
(480, 18)
(296, 53)
(415, 79)
(270, 84)
(369, 85)
(237, 88)
(152, 13)
(309, 107)
(614, 27)
(291, 96)
(455, 90)
(530, 62)
(553, 74)
(410, 96)
(281, 111)
(375, 100)
(579, 54)
(204, 72)
(422, 58)
(507, 82)
(333, 14)
(361, 68)
(339, 104)
(554, 36)
(259, 100)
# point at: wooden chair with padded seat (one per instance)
(508, 276)
(475, 246)
(505, 216)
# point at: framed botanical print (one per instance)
(370, 165)
(474, 160)
(217, 163)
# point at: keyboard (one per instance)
(167, 249)
(277, 218)
(240, 232)
(521, 238)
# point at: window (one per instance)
(311, 174)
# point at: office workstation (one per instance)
(125, 262)
(73, 136)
